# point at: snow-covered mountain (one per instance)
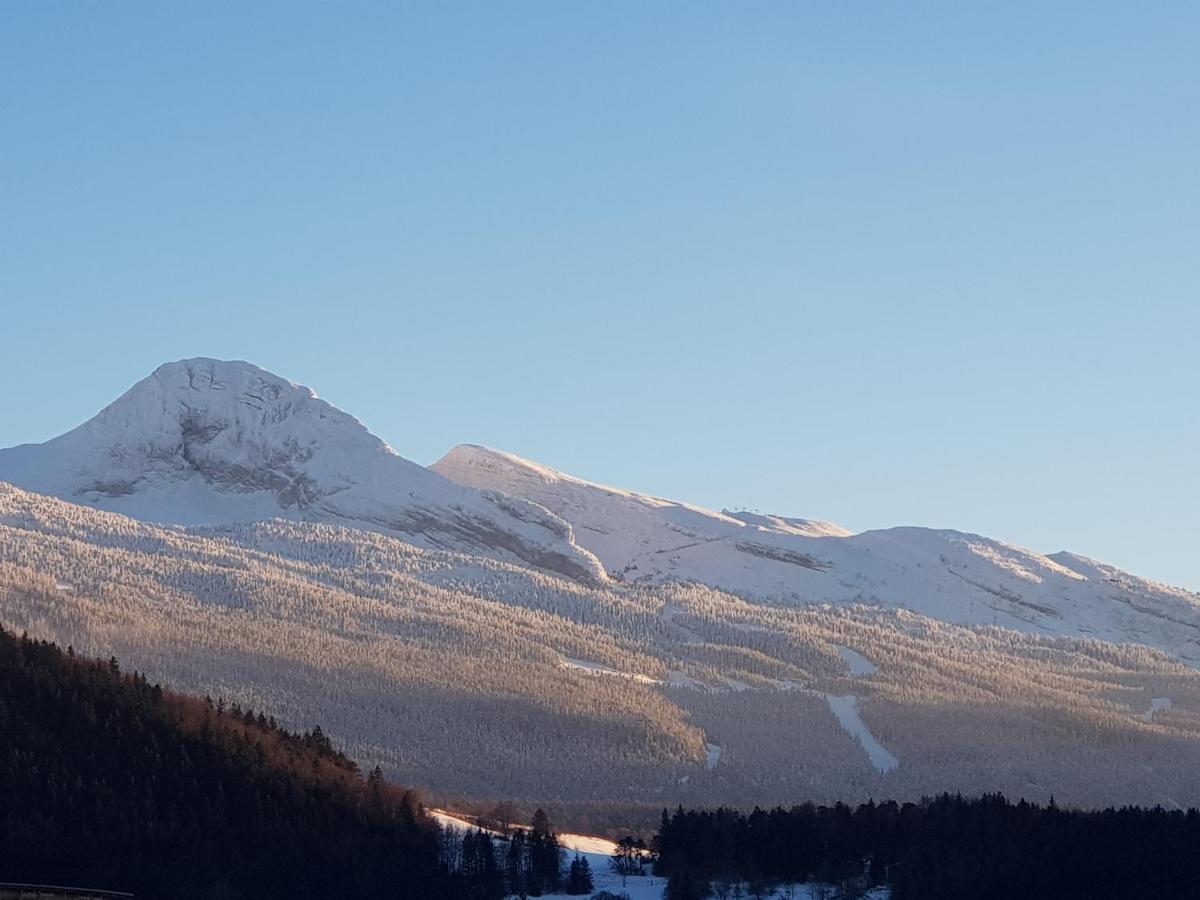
(579, 693)
(798, 661)
(948, 575)
(204, 441)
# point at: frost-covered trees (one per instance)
(410, 657)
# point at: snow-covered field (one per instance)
(638, 887)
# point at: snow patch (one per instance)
(1157, 704)
(680, 679)
(858, 664)
(713, 756)
(595, 668)
(451, 821)
(846, 710)
(790, 525)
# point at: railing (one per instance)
(37, 891)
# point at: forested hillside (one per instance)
(578, 697)
(108, 780)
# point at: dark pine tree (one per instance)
(579, 877)
(516, 865)
(545, 856)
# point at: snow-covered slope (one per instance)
(204, 441)
(948, 575)
(633, 534)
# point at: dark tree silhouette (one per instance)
(948, 847)
(107, 780)
(579, 877)
(516, 865)
(545, 856)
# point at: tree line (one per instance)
(108, 780)
(517, 862)
(948, 847)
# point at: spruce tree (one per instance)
(579, 878)
(544, 856)
(516, 865)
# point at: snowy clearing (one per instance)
(449, 820)
(858, 664)
(587, 844)
(575, 843)
(597, 850)
(680, 679)
(595, 668)
(644, 887)
(846, 710)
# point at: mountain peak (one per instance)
(232, 425)
(206, 441)
(204, 373)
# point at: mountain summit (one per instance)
(205, 441)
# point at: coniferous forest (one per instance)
(949, 847)
(109, 781)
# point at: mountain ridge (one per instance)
(954, 576)
(204, 442)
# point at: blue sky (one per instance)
(886, 264)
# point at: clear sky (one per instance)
(902, 263)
